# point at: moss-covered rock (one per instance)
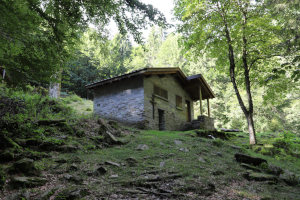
(6, 156)
(25, 166)
(27, 182)
(256, 176)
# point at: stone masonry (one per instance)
(122, 101)
(175, 118)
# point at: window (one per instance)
(160, 92)
(178, 101)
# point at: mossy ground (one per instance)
(166, 170)
(190, 168)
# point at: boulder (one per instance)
(250, 167)
(22, 181)
(242, 158)
(256, 176)
(25, 166)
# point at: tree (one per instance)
(241, 34)
(37, 37)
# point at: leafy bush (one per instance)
(21, 110)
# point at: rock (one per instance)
(22, 181)
(219, 154)
(249, 159)
(212, 134)
(183, 149)
(100, 171)
(256, 176)
(162, 164)
(33, 142)
(131, 161)
(74, 179)
(49, 146)
(289, 178)
(67, 148)
(178, 142)
(114, 176)
(202, 160)
(110, 138)
(112, 163)
(25, 166)
(73, 167)
(272, 169)
(46, 194)
(142, 147)
(6, 156)
(72, 194)
(250, 167)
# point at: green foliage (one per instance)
(21, 118)
(38, 37)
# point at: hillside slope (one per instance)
(48, 151)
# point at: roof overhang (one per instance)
(191, 83)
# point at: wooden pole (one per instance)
(200, 100)
(208, 109)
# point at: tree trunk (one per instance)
(248, 113)
(54, 90)
(252, 137)
(54, 87)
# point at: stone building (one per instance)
(153, 98)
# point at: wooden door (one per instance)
(161, 120)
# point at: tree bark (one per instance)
(249, 114)
(54, 87)
(252, 137)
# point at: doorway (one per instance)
(161, 120)
(188, 110)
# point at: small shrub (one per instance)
(88, 109)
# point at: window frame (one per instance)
(159, 92)
(177, 97)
